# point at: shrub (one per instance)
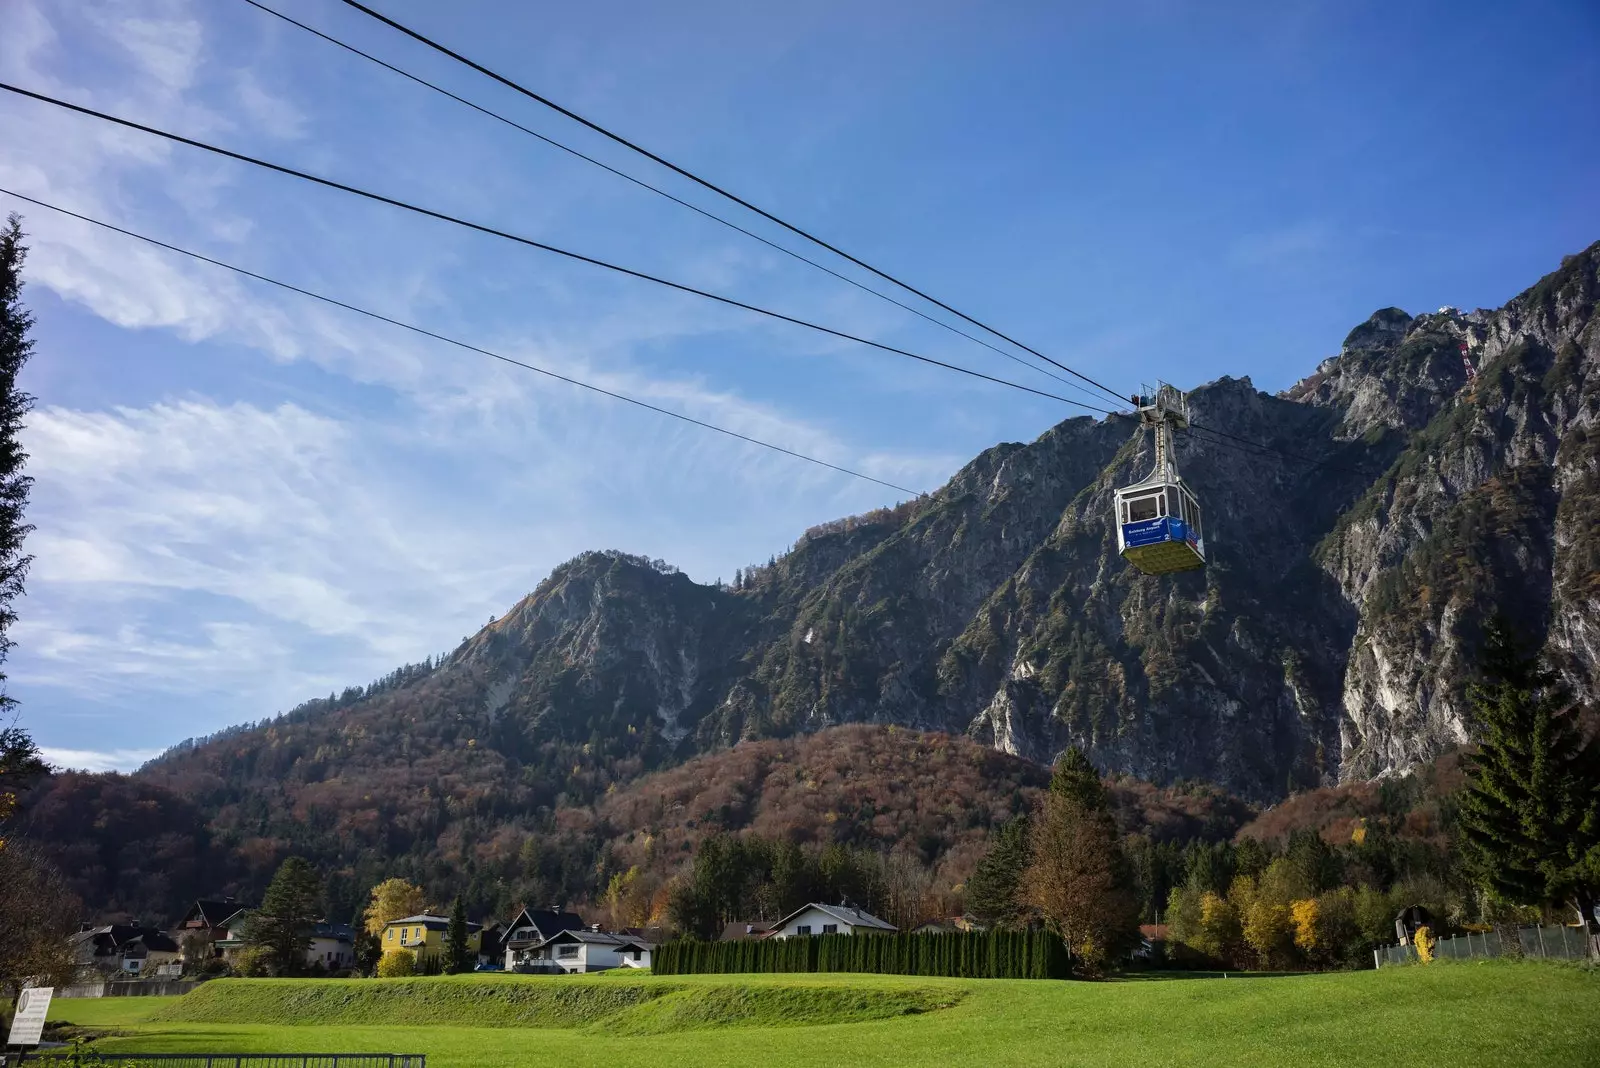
(396, 966)
(253, 962)
(1424, 942)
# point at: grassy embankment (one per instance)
(1479, 1015)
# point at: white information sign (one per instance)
(28, 1024)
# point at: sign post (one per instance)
(27, 1026)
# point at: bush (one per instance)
(397, 966)
(253, 962)
(1424, 941)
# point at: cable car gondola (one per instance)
(1158, 520)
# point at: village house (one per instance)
(207, 923)
(424, 934)
(492, 946)
(816, 919)
(333, 945)
(124, 951)
(587, 949)
(530, 928)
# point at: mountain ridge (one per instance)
(1360, 525)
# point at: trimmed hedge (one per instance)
(959, 954)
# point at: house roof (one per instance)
(216, 912)
(548, 921)
(599, 938)
(431, 922)
(842, 913)
(342, 932)
(629, 942)
(122, 940)
(147, 942)
(743, 929)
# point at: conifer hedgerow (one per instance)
(960, 954)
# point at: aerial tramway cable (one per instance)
(640, 182)
(459, 344)
(532, 243)
(719, 190)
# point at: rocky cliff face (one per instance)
(1329, 637)
(1491, 507)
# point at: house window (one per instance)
(389, 934)
(405, 936)
(803, 929)
(830, 928)
(637, 955)
(566, 952)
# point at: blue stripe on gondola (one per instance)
(1150, 531)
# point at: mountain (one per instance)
(1361, 527)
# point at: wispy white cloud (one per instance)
(342, 496)
(97, 760)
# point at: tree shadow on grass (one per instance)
(1172, 976)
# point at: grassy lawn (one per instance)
(1475, 1015)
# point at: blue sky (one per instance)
(244, 500)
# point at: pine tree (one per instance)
(1530, 818)
(15, 348)
(992, 891)
(457, 949)
(282, 926)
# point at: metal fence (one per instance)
(229, 1060)
(1554, 943)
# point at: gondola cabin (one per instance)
(1158, 520)
(1159, 529)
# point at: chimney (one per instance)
(595, 927)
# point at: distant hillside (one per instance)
(932, 798)
(1329, 640)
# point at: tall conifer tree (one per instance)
(288, 914)
(15, 348)
(993, 891)
(1530, 817)
(457, 948)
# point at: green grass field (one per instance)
(1473, 1015)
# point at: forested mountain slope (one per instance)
(1328, 639)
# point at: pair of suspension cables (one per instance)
(1084, 383)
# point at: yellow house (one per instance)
(424, 935)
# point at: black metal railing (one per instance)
(229, 1060)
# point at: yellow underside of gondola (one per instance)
(1163, 558)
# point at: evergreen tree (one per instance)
(1314, 863)
(457, 949)
(1076, 778)
(20, 765)
(994, 888)
(15, 348)
(282, 926)
(1530, 817)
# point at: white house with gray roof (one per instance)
(587, 950)
(815, 919)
